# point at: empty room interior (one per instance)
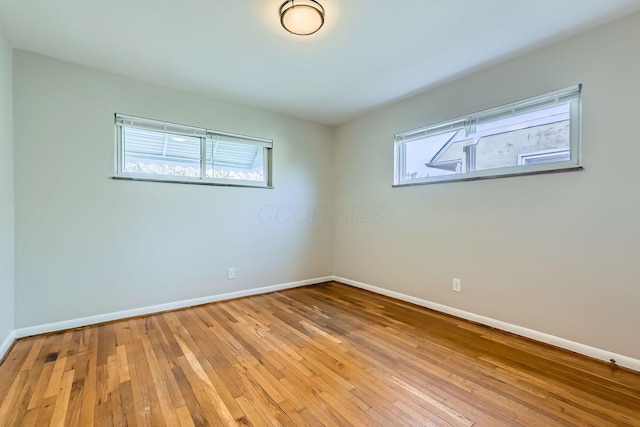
(310, 213)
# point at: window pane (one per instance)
(420, 151)
(159, 153)
(526, 135)
(538, 131)
(235, 161)
(501, 143)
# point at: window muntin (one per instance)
(159, 151)
(531, 136)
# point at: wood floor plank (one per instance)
(62, 403)
(89, 377)
(7, 415)
(144, 394)
(34, 369)
(214, 396)
(193, 341)
(161, 383)
(323, 355)
(12, 363)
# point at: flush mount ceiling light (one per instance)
(301, 17)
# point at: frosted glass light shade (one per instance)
(301, 17)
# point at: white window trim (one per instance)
(573, 93)
(522, 158)
(122, 120)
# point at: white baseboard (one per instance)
(596, 353)
(621, 360)
(6, 344)
(108, 317)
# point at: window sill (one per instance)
(176, 181)
(478, 178)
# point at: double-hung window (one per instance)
(537, 135)
(160, 151)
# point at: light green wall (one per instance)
(6, 190)
(88, 245)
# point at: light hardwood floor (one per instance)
(321, 355)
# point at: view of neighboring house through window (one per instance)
(160, 151)
(531, 136)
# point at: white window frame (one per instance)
(122, 121)
(572, 95)
(522, 158)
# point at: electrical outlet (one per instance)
(232, 273)
(457, 285)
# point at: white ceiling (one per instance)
(369, 52)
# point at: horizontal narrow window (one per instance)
(159, 151)
(540, 134)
